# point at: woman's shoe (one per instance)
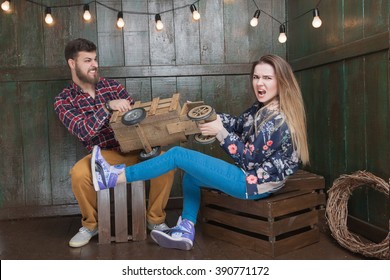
(104, 175)
(179, 237)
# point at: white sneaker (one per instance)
(82, 237)
(158, 227)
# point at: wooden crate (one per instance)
(166, 123)
(284, 222)
(138, 213)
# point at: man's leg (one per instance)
(86, 197)
(160, 189)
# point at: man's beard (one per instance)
(87, 79)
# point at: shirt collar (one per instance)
(75, 87)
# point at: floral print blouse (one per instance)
(266, 158)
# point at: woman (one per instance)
(267, 143)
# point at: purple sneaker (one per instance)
(179, 237)
(104, 176)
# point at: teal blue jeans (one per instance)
(200, 171)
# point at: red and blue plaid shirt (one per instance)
(85, 117)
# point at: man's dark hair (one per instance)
(78, 45)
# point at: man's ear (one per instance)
(71, 63)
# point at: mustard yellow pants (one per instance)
(86, 196)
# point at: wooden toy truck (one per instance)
(150, 125)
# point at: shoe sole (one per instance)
(93, 166)
(166, 241)
(78, 245)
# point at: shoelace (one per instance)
(84, 229)
(178, 230)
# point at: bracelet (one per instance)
(107, 105)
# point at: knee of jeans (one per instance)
(174, 149)
(177, 149)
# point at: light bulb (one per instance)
(159, 24)
(195, 13)
(255, 20)
(282, 36)
(317, 22)
(5, 6)
(120, 22)
(87, 15)
(48, 17)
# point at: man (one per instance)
(85, 108)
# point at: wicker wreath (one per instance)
(337, 213)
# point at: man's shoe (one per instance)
(159, 227)
(179, 237)
(82, 237)
(104, 175)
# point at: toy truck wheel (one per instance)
(201, 112)
(153, 153)
(133, 116)
(201, 139)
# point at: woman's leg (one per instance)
(191, 197)
(200, 170)
(209, 171)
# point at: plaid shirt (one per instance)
(85, 117)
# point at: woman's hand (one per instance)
(211, 128)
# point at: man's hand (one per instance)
(121, 105)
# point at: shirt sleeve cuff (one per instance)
(222, 135)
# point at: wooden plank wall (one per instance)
(343, 68)
(206, 60)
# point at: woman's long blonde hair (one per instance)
(290, 101)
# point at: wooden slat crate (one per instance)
(283, 222)
(138, 213)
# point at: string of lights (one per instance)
(316, 23)
(6, 6)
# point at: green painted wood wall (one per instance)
(343, 69)
(207, 60)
